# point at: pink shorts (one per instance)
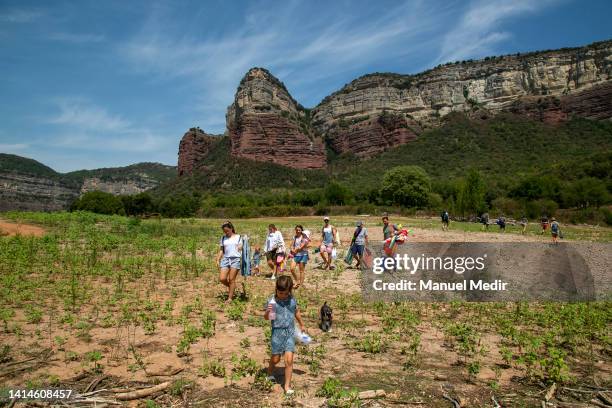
(327, 248)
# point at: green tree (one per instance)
(99, 202)
(408, 186)
(587, 192)
(539, 208)
(337, 194)
(471, 197)
(137, 204)
(536, 187)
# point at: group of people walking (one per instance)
(279, 257)
(282, 308)
(555, 229)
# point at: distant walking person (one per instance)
(327, 243)
(544, 225)
(445, 220)
(228, 258)
(555, 230)
(359, 242)
(275, 250)
(501, 221)
(299, 255)
(523, 224)
(484, 219)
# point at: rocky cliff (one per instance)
(194, 146)
(34, 193)
(26, 184)
(266, 124)
(550, 86)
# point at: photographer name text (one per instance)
(434, 286)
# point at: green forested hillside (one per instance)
(155, 171)
(11, 163)
(503, 148)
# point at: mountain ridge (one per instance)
(27, 184)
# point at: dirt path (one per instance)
(11, 228)
(432, 235)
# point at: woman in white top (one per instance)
(275, 250)
(228, 258)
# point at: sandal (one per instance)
(289, 392)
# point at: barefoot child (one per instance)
(282, 311)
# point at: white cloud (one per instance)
(477, 34)
(283, 39)
(20, 16)
(80, 124)
(77, 112)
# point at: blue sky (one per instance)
(91, 84)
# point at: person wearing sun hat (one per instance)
(554, 230)
(327, 242)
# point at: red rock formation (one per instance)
(194, 145)
(371, 136)
(266, 124)
(271, 138)
(592, 103)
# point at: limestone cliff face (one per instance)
(119, 187)
(194, 146)
(26, 184)
(34, 193)
(565, 82)
(266, 124)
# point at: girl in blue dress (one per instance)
(284, 306)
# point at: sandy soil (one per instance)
(11, 229)
(439, 367)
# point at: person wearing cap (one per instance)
(327, 243)
(358, 243)
(554, 230)
(299, 255)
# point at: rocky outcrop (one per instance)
(194, 146)
(576, 79)
(367, 136)
(34, 193)
(266, 124)
(592, 103)
(119, 187)
(26, 184)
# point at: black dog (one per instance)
(326, 316)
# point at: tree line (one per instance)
(467, 197)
